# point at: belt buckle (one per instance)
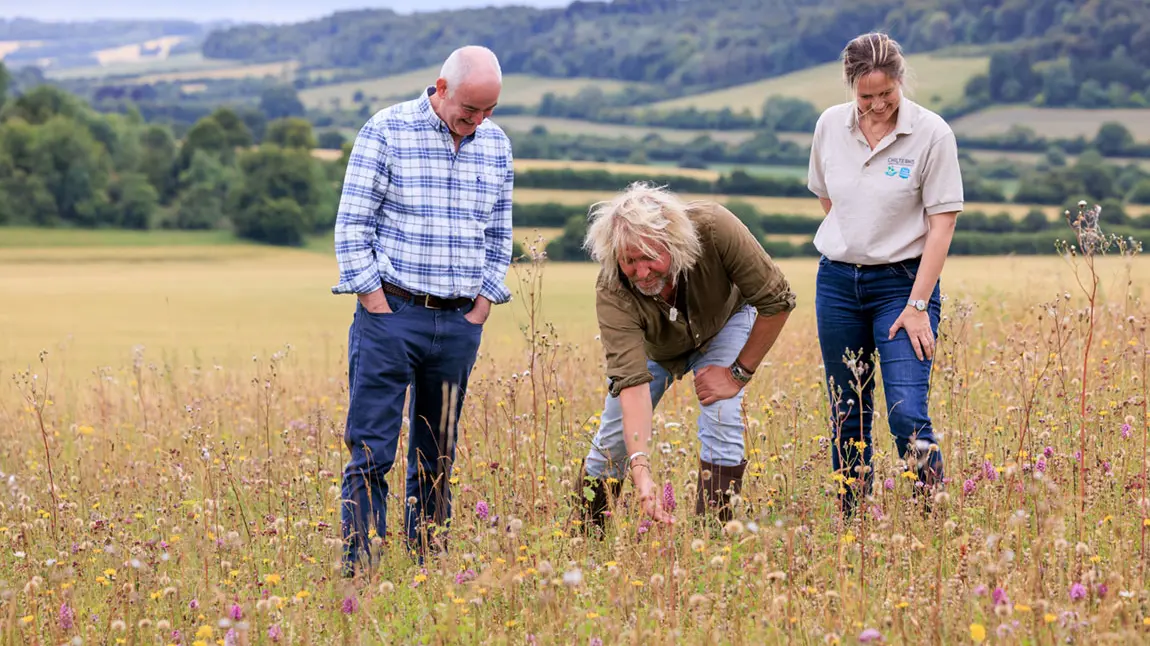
(427, 302)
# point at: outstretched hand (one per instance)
(651, 505)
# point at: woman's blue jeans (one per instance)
(855, 306)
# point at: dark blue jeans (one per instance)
(433, 351)
(855, 307)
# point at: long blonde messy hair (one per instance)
(642, 214)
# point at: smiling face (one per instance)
(465, 107)
(650, 275)
(878, 96)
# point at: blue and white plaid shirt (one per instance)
(417, 214)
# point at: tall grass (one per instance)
(198, 502)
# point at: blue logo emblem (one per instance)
(890, 171)
(904, 172)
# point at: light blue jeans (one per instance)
(720, 424)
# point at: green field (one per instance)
(1062, 123)
(524, 123)
(518, 89)
(933, 81)
(187, 62)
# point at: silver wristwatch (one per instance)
(740, 373)
(918, 305)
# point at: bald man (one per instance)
(423, 239)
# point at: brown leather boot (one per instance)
(591, 499)
(713, 491)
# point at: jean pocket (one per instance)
(394, 303)
(905, 269)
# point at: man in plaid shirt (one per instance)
(423, 238)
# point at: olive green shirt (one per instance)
(732, 270)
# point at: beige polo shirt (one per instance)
(882, 200)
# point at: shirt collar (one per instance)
(904, 125)
(429, 114)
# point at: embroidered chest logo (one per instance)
(899, 167)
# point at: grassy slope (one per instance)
(518, 89)
(935, 81)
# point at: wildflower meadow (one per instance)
(187, 491)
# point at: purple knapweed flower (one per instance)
(999, 597)
(1077, 591)
(870, 635)
(1126, 431)
(231, 638)
(595, 641)
(1102, 589)
(980, 590)
(465, 576)
(1106, 467)
(888, 484)
(194, 604)
(645, 525)
(236, 613)
(275, 633)
(67, 617)
(669, 498)
(1040, 465)
(989, 472)
(969, 486)
(1048, 452)
(350, 605)
(481, 510)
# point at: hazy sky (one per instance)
(240, 10)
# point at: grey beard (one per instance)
(658, 289)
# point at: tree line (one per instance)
(63, 164)
(690, 46)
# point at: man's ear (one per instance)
(441, 87)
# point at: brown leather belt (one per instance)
(427, 300)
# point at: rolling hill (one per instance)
(934, 80)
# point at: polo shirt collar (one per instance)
(904, 125)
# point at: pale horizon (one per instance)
(266, 11)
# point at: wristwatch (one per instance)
(918, 305)
(741, 374)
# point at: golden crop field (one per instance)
(171, 422)
(1052, 122)
(934, 82)
(282, 70)
(135, 52)
(518, 89)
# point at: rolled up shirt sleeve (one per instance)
(498, 235)
(942, 190)
(364, 186)
(621, 333)
(749, 267)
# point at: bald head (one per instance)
(472, 64)
(467, 89)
